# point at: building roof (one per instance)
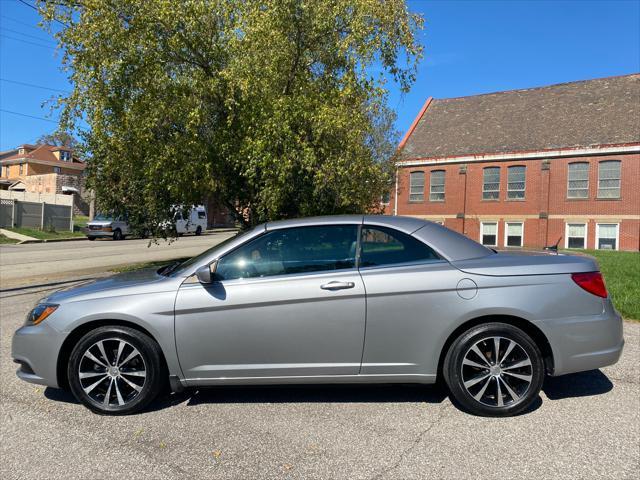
(587, 113)
(42, 153)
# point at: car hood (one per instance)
(503, 264)
(127, 283)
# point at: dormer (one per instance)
(62, 154)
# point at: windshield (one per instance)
(181, 267)
(103, 217)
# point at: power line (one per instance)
(33, 85)
(36, 9)
(28, 116)
(25, 24)
(27, 35)
(27, 41)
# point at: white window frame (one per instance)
(443, 184)
(482, 224)
(597, 247)
(506, 230)
(566, 233)
(619, 179)
(421, 194)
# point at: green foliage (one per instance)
(275, 108)
(59, 139)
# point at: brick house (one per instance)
(529, 168)
(45, 169)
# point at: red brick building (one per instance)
(529, 168)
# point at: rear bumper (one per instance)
(585, 342)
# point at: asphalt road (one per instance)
(46, 262)
(584, 426)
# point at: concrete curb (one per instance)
(74, 239)
(51, 240)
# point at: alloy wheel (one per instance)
(112, 372)
(497, 371)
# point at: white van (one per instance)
(195, 222)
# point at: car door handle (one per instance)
(337, 285)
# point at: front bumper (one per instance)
(98, 233)
(586, 342)
(35, 348)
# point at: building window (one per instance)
(516, 179)
(578, 180)
(56, 170)
(21, 169)
(607, 236)
(436, 187)
(416, 187)
(576, 235)
(386, 198)
(491, 183)
(609, 179)
(513, 234)
(489, 234)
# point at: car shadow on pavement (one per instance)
(583, 384)
(307, 394)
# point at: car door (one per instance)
(411, 296)
(287, 303)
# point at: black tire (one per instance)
(91, 238)
(148, 361)
(198, 231)
(489, 391)
(117, 234)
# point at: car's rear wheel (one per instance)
(117, 234)
(494, 369)
(199, 230)
(115, 370)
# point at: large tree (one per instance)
(276, 108)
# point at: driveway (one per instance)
(40, 263)
(583, 426)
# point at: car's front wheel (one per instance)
(115, 370)
(494, 369)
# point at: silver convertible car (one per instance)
(348, 299)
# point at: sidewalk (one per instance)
(16, 236)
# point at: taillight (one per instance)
(592, 282)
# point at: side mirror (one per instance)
(206, 273)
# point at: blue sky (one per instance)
(471, 47)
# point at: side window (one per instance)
(292, 251)
(416, 186)
(386, 246)
(578, 180)
(491, 183)
(202, 214)
(609, 179)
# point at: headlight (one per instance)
(40, 312)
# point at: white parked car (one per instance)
(195, 222)
(104, 225)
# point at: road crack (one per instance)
(407, 451)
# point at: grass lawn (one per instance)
(79, 222)
(6, 240)
(621, 271)
(45, 235)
